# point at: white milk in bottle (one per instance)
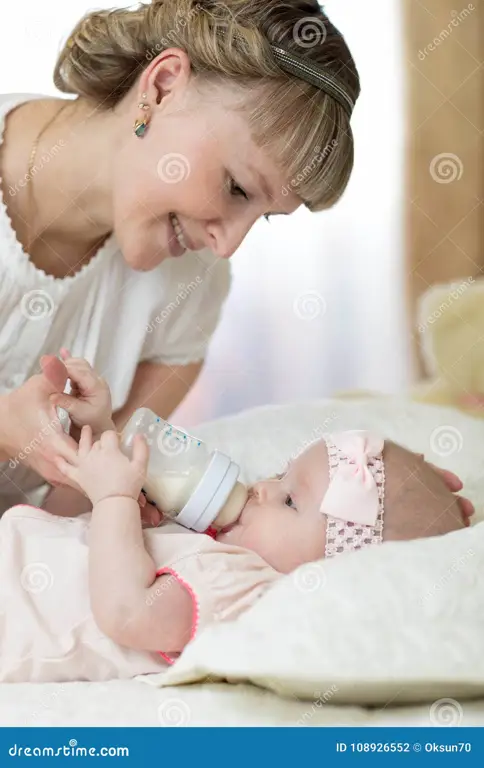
(189, 483)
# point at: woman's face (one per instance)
(196, 162)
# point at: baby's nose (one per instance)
(259, 492)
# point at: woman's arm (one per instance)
(158, 387)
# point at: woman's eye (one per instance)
(289, 502)
(236, 190)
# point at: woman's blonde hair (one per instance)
(304, 130)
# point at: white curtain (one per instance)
(317, 303)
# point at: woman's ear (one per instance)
(169, 71)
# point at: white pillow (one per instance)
(404, 622)
(401, 622)
(263, 439)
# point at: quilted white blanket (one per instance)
(403, 623)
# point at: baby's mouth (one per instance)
(228, 528)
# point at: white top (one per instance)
(108, 313)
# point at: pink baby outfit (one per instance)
(47, 630)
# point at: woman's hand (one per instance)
(454, 484)
(30, 429)
(101, 470)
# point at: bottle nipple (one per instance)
(233, 507)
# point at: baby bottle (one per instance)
(189, 483)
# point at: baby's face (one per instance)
(282, 521)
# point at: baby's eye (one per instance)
(289, 502)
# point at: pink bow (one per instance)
(352, 494)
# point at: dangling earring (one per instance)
(141, 124)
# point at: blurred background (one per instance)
(326, 302)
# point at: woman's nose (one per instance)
(227, 237)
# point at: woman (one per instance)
(120, 208)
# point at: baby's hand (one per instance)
(90, 400)
(102, 470)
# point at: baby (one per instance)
(97, 597)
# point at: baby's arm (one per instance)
(122, 575)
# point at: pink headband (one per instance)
(354, 501)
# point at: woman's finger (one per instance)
(451, 480)
(74, 407)
(61, 445)
(466, 506)
(85, 441)
(65, 468)
(54, 372)
(151, 516)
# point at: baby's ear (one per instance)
(55, 372)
